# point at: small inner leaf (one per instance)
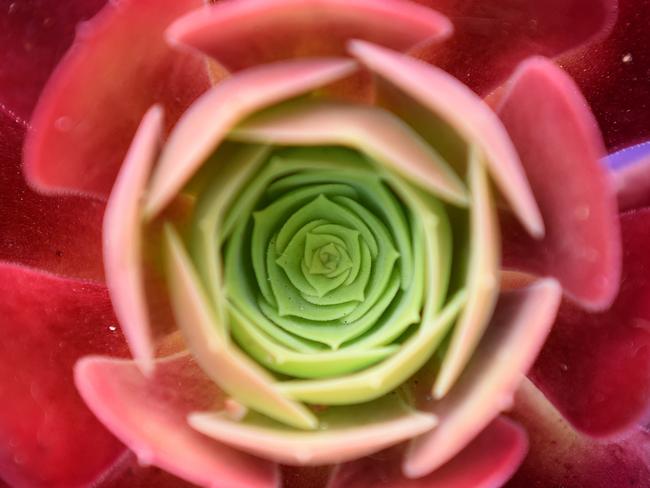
(324, 267)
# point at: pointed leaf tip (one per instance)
(463, 111)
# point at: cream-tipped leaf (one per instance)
(351, 432)
(233, 371)
(371, 130)
(482, 277)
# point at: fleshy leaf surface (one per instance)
(93, 103)
(205, 125)
(123, 239)
(235, 372)
(327, 193)
(482, 277)
(560, 456)
(560, 148)
(58, 234)
(150, 419)
(380, 379)
(351, 432)
(372, 131)
(126, 471)
(596, 367)
(490, 459)
(50, 438)
(469, 116)
(252, 32)
(519, 326)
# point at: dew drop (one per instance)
(590, 254)
(582, 212)
(506, 402)
(36, 392)
(84, 29)
(235, 410)
(145, 457)
(63, 124)
(627, 58)
(304, 457)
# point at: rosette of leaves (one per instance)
(331, 262)
(316, 271)
(328, 254)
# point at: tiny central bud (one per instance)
(320, 257)
(328, 259)
(328, 256)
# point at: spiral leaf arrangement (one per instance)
(322, 265)
(335, 273)
(331, 254)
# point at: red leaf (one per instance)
(58, 234)
(490, 459)
(117, 68)
(596, 367)
(50, 438)
(561, 457)
(560, 149)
